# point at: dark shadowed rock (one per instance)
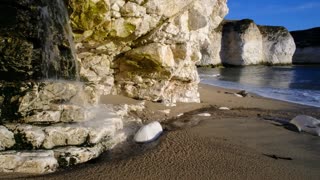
(34, 41)
(308, 46)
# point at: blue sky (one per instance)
(293, 14)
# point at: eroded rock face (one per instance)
(57, 116)
(211, 50)
(106, 33)
(211, 47)
(46, 101)
(148, 48)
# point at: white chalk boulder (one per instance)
(238, 95)
(148, 133)
(307, 124)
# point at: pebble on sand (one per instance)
(181, 114)
(204, 114)
(148, 133)
(243, 93)
(165, 111)
(238, 95)
(224, 108)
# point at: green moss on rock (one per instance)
(145, 67)
(122, 28)
(86, 14)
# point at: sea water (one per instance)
(298, 84)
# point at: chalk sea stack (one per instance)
(243, 42)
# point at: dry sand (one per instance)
(235, 144)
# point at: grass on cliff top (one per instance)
(307, 38)
(241, 25)
(234, 25)
(270, 30)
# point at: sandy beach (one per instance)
(243, 143)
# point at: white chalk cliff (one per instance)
(245, 43)
(278, 45)
(146, 49)
(241, 43)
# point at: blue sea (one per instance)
(298, 84)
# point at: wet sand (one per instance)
(236, 144)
